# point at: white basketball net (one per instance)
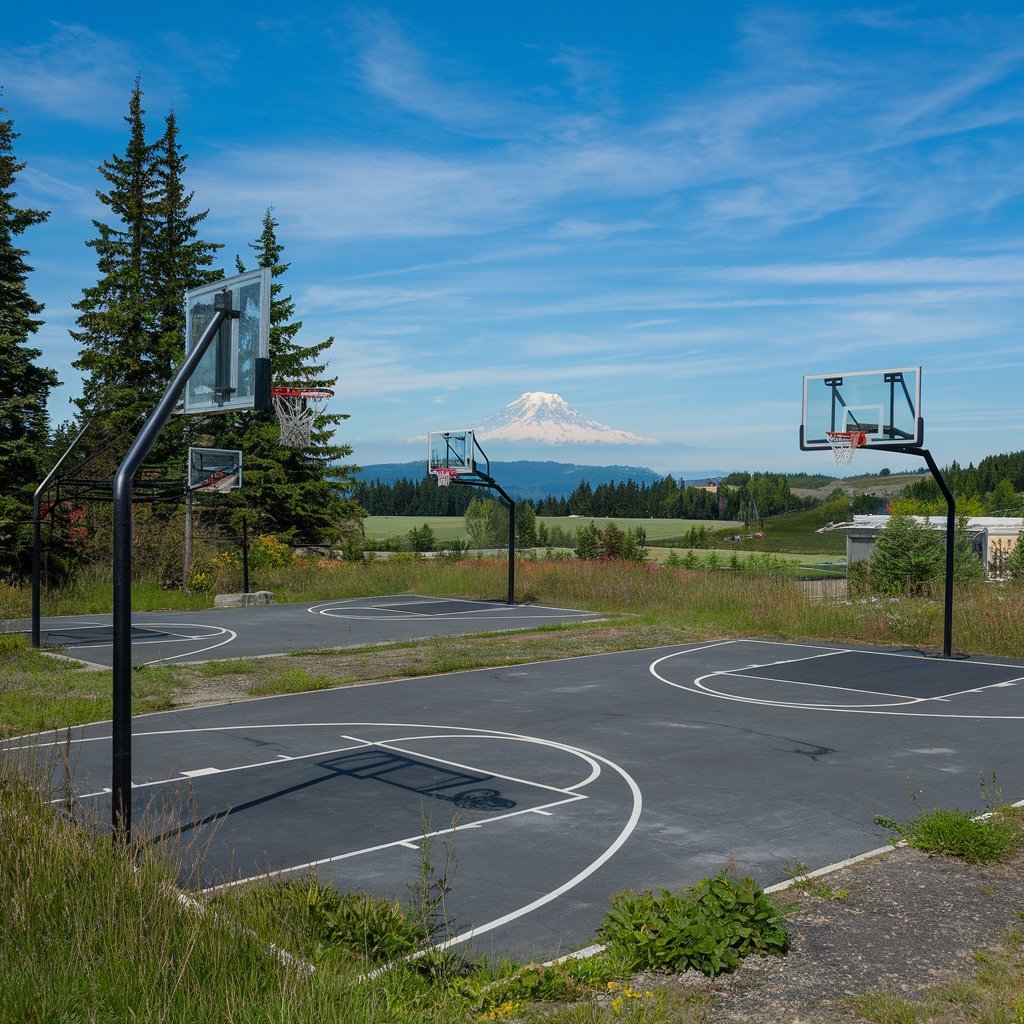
(298, 413)
(844, 444)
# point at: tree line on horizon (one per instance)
(130, 329)
(745, 496)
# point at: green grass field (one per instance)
(656, 529)
(831, 565)
(797, 532)
(453, 527)
(793, 534)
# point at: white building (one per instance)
(993, 537)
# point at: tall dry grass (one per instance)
(95, 932)
(988, 617)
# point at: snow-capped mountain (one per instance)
(549, 419)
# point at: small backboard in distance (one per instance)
(451, 450)
(234, 373)
(214, 469)
(883, 404)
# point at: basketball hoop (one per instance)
(844, 443)
(298, 409)
(445, 475)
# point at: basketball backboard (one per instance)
(451, 450)
(214, 469)
(235, 371)
(884, 404)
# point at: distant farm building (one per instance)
(992, 537)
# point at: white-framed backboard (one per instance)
(883, 404)
(214, 469)
(452, 450)
(235, 371)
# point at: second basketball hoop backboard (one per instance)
(883, 405)
(452, 451)
(235, 371)
(214, 469)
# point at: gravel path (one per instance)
(910, 921)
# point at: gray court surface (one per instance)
(169, 637)
(559, 783)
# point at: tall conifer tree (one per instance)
(132, 322)
(179, 259)
(24, 387)
(117, 317)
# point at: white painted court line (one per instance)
(412, 842)
(359, 743)
(281, 759)
(979, 689)
(878, 709)
(389, 745)
(767, 702)
(744, 674)
(895, 654)
(581, 876)
(406, 609)
(228, 636)
(586, 872)
(167, 638)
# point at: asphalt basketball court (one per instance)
(265, 630)
(559, 783)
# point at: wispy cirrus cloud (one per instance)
(78, 74)
(396, 70)
(926, 269)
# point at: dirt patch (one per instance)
(910, 922)
(215, 682)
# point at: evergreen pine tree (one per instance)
(118, 317)
(298, 491)
(1015, 562)
(967, 566)
(179, 259)
(132, 322)
(23, 385)
(907, 556)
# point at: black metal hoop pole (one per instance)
(121, 766)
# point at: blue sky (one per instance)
(667, 213)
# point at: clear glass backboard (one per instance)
(883, 404)
(214, 469)
(451, 450)
(235, 371)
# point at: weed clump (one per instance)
(956, 833)
(709, 927)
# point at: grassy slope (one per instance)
(886, 486)
(797, 532)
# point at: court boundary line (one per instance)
(571, 883)
(877, 709)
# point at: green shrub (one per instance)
(1015, 561)
(709, 927)
(421, 538)
(368, 926)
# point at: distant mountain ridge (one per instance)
(533, 479)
